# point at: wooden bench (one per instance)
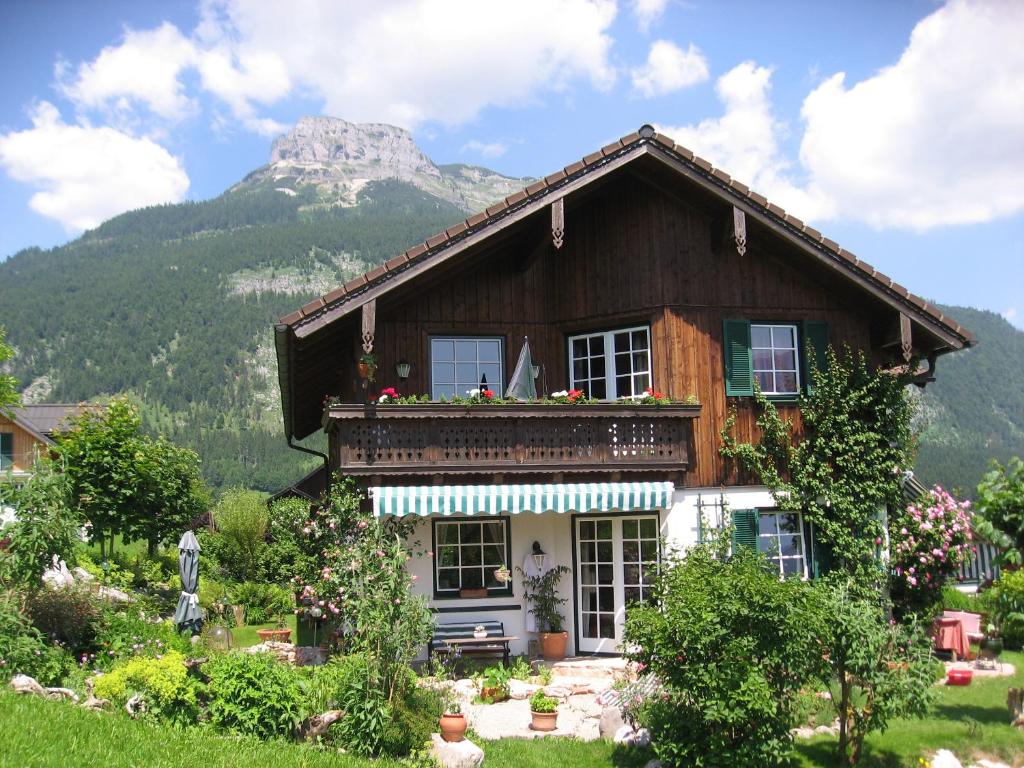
(458, 637)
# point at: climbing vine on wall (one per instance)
(847, 469)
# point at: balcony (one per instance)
(435, 437)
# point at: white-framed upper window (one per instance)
(780, 538)
(773, 349)
(611, 364)
(460, 363)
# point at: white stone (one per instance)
(802, 733)
(26, 684)
(653, 764)
(456, 754)
(519, 689)
(945, 759)
(611, 722)
(81, 574)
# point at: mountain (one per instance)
(974, 411)
(175, 304)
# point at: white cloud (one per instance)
(935, 139)
(404, 62)
(744, 141)
(648, 11)
(669, 68)
(485, 149)
(85, 174)
(1013, 316)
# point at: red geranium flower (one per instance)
(487, 394)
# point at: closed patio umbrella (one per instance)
(187, 615)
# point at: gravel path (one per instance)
(578, 716)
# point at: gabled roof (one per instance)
(43, 420)
(646, 141)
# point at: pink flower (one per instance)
(361, 524)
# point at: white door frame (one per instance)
(604, 646)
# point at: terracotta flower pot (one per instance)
(544, 721)
(453, 727)
(274, 635)
(552, 645)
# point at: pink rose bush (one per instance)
(930, 540)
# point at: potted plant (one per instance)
(503, 575)
(542, 592)
(543, 711)
(494, 684)
(991, 643)
(367, 367)
(452, 722)
(280, 633)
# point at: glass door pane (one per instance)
(597, 579)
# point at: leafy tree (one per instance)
(732, 645)
(241, 518)
(8, 384)
(999, 510)
(883, 670)
(124, 482)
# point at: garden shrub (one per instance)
(241, 519)
(254, 694)
(1007, 603)
(128, 630)
(70, 616)
(351, 683)
(884, 670)
(999, 517)
(25, 651)
(733, 646)
(262, 602)
(163, 683)
(955, 600)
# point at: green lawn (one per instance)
(972, 721)
(244, 636)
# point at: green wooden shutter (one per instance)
(744, 529)
(821, 553)
(739, 375)
(6, 450)
(815, 336)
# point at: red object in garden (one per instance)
(959, 677)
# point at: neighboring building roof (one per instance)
(312, 487)
(44, 419)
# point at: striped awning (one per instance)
(444, 500)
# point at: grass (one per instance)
(972, 721)
(51, 734)
(244, 636)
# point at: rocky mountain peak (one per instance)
(340, 158)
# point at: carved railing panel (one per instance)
(429, 438)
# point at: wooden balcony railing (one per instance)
(433, 437)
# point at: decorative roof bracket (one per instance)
(739, 230)
(558, 222)
(369, 322)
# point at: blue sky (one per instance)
(891, 127)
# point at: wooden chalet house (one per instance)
(638, 266)
(27, 433)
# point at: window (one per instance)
(611, 364)
(773, 355)
(6, 450)
(780, 538)
(466, 554)
(459, 364)
(773, 351)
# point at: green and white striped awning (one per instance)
(444, 500)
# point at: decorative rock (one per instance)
(114, 595)
(611, 722)
(81, 574)
(653, 764)
(518, 689)
(456, 754)
(945, 759)
(630, 737)
(802, 733)
(26, 684)
(465, 687)
(826, 729)
(558, 691)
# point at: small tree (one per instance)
(125, 482)
(241, 518)
(999, 510)
(883, 670)
(732, 645)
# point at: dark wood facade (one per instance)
(642, 247)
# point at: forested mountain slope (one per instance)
(974, 411)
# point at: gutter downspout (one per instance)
(283, 344)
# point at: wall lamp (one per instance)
(402, 368)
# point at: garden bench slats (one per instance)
(494, 643)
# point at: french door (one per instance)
(616, 561)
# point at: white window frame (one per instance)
(775, 371)
(611, 387)
(775, 556)
(503, 523)
(497, 387)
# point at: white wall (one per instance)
(679, 525)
